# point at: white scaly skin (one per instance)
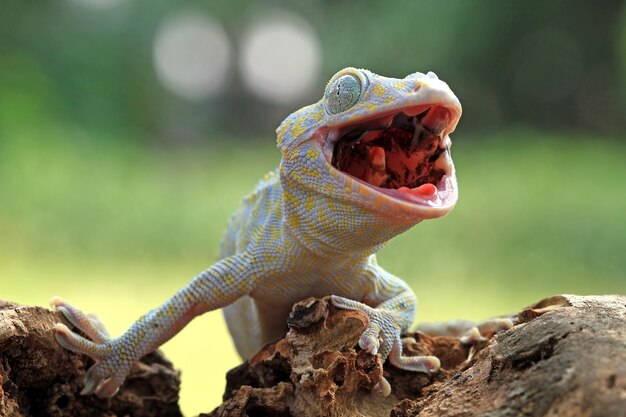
(308, 229)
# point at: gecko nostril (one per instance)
(417, 87)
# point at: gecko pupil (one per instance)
(403, 154)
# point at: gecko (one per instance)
(368, 161)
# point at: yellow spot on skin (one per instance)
(398, 85)
(298, 128)
(281, 132)
(229, 279)
(311, 172)
(318, 114)
(289, 198)
(388, 100)
(371, 106)
(378, 90)
(321, 217)
(310, 203)
(294, 221)
(312, 153)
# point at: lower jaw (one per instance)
(408, 205)
(440, 198)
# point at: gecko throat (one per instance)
(403, 152)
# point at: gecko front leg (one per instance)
(214, 288)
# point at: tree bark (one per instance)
(39, 378)
(566, 356)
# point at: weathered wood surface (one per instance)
(39, 378)
(566, 357)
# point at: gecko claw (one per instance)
(382, 388)
(97, 383)
(108, 388)
(369, 340)
(56, 301)
(472, 337)
(92, 380)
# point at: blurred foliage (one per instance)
(532, 213)
(549, 64)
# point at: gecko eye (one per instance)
(343, 93)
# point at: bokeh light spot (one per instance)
(280, 57)
(192, 56)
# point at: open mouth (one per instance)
(405, 155)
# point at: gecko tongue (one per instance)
(427, 190)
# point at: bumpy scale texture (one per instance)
(306, 230)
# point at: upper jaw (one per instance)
(396, 168)
(442, 118)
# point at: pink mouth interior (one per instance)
(403, 156)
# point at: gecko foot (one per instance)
(469, 332)
(485, 330)
(385, 325)
(108, 373)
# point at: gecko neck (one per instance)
(325, 225)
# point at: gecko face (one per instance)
(387, 140)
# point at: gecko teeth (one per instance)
(445, 142)
(407, 153)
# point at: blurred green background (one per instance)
(130, 130)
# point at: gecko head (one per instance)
(381, 143)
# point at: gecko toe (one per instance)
(93, 377)
(382, 388)
(426, 364)
(87, 323)
(76, 343)
(108, 388)
(471, 337)
(369, 340)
